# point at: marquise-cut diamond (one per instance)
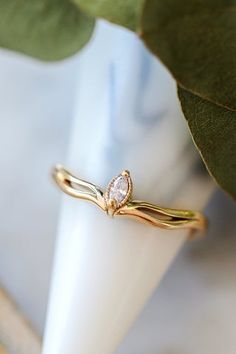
(119, 189)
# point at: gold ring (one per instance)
(117, 200)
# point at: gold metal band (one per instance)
(117, 201)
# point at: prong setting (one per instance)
(111, 207)
(125, 173)
(118, 192)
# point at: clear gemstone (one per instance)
(119, 189)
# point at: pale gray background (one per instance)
(194, 309)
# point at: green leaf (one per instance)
(196, 40)
(48, 30)
(122, 12)
(214, 131)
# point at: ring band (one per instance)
(117, 201)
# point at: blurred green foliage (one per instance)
(195, 39)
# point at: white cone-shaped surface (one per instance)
(127, 117)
